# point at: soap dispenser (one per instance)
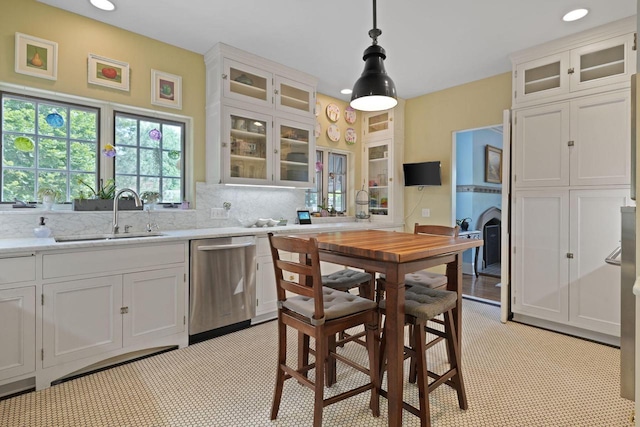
(42, 230)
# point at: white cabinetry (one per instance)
(383, 141)
(260, 120)
(595, 61)
(17, 316)
(561, 239)
(571, 156)
(563, 143)
(17, 331)
(100, 304)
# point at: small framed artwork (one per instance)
(166, 89)
(493, 164)
(108, 72)
(36, 57)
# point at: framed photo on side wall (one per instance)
(108, 72)
(166, 89)
(36, 57)
(493, 164)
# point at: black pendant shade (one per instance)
(374, 90)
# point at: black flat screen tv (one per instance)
(420, 174)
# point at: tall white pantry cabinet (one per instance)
(571, 174)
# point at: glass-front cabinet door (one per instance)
(247, 147)
(294, 97)
(246, 83)
(294, 153)
(378, 124)
(379, 162)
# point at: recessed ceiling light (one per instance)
(346, 91)
(103, 4)
(574, 15)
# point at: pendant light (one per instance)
(374, 90)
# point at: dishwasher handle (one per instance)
(222, 247)
(614, 257)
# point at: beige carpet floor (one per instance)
(515, 375)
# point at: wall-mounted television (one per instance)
(420, 174)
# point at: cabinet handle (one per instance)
(275, 151)
(224, 77)
(275, 91)
(571, 143)
(570, 71)
(124, 310)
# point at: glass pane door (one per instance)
(294, 97)
(248, 154)
(246, 83)
(378, 161)
(294, 152)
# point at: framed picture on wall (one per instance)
(36, 57)
(166, 89)
(493, 164)
(108, 72)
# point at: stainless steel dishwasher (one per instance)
(222, 292)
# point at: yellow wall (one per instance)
(78, 36)
(430, 121)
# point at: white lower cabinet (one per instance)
(17, 331)
(266, 295)
(561, 240)
(87, 317)
(154, 302)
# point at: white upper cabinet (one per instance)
(260, 120)
(378, 125)
(601, 60)
(294, 97)
(246, 83)
(585, 141)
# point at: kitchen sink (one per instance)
(98, 237)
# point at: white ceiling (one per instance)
(431, 45)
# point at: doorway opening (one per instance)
(477, 196)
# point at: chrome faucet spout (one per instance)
(115, 228)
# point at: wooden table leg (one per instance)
(454, 283)
(395, 346)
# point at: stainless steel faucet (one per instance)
(115, 228)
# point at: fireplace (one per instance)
(489, 223)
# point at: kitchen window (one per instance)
(149, 155)
(47, 143)
(331, 189)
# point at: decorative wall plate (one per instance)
(318, 130)
(318, 108)
(333, 132)
(350, 136)
(333, 112)
(350, 115)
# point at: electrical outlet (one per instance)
(219, 213)
(426, 213)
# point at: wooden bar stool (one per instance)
(319, 312)
(422, 305)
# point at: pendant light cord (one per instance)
(374, 32)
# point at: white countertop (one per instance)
(22, 245)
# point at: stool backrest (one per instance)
(304, 264)
(440, 230)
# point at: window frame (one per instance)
(106, 129)
(323, 186)
(139, 117)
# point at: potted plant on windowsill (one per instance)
(48, 196)
(150, 198)
(101, 199)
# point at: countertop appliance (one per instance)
(222, 291)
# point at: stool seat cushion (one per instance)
(425, 303)
(346, 279)
(425, 279)
(336, 304)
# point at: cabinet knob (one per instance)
(275, 91)
(124, 310)
(275, 151)
(570, 71)
(224, 77)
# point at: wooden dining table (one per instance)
(396, 254)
